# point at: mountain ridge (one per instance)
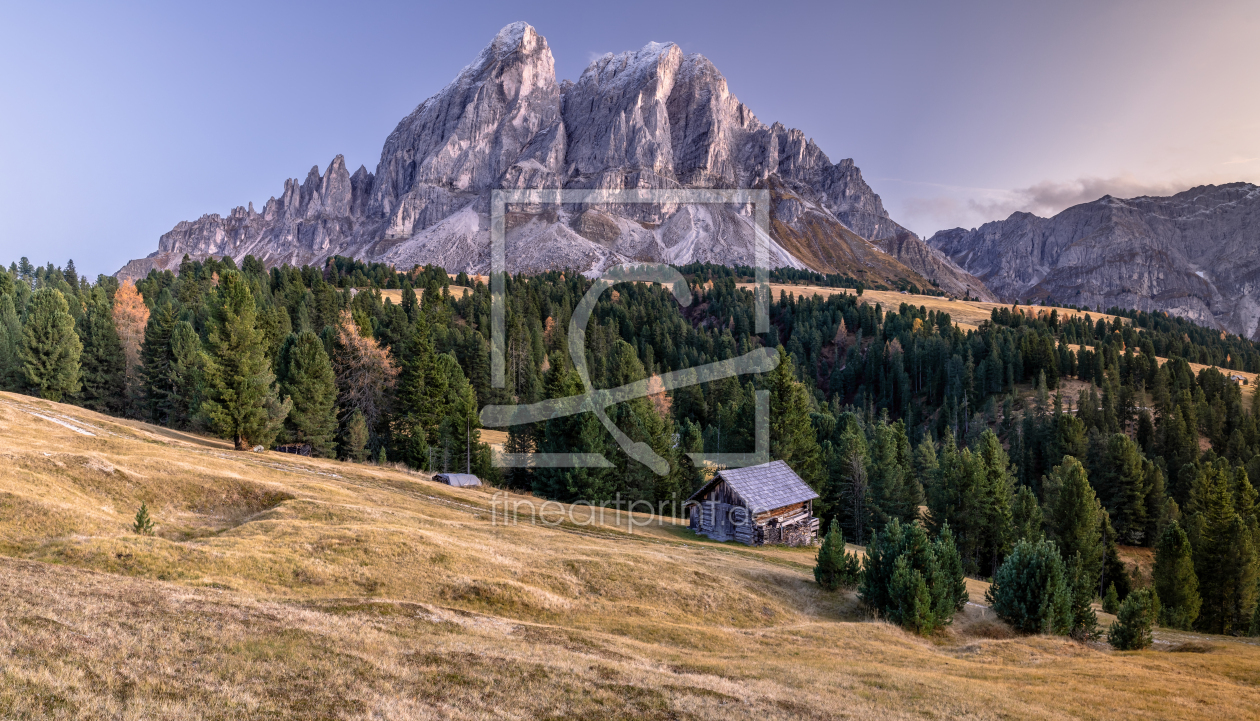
(1195, 254)
(654, 118)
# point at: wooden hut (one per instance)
(458, 479)
(757, 505)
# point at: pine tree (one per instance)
(1030, 590)
(1132, 629)
(834, 567)
(306, 378)
(50, 347)
(958, 499)
(103, 365)
(241, 400)
(1174, 579)
(905, 580)
(1074, 519)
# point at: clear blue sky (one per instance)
(116, 123)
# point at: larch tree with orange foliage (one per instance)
(365, 373)
(131, 316)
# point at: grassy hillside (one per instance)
(286, 587)
(966, 314)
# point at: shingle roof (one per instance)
(458, 479)
(765, 487)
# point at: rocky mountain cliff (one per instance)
(653, 118)
(1195, 254)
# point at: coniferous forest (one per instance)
(1030, 450)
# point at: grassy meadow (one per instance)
(283, 587)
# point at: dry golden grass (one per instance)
(967, 314)
(285, 587)
(1196, 367)
(494, 437)
(395, 294)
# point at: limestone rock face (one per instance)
(932, 263)
(648, 119)
(1195, 254)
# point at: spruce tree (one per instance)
(155, 356)
(461, 412)
(354, 437)
(1174, 579)
(143, 523)
(849, 495)
(1083, 588)
(895, 492)
(241, 400)
(995, 501)
(1121, 480)
(1030, 591)
(954, 583)
(1111, 601)
(50, 347)
(103, 366)
(1114, 570)
(187, 362)
(1225, 559)
(12, 378)
(422, 397)
(792, 438)
(926, 465)
(306, 377)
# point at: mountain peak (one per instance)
(651, 118)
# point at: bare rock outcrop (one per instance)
(1195, 254)
(648, 119)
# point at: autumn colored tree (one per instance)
(365, 372)
(131, 316)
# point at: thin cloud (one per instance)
(972, 207)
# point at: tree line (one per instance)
(1030, 428)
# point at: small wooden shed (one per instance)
(757, 505)
(458, 479)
